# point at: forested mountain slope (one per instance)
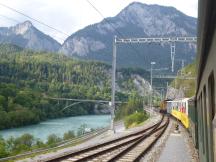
(186, 86)
(27, 78)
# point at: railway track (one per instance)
(131, 147)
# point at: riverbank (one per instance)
(106, 136)
(58, 126)
(49, 134)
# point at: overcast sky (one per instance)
(72, 15)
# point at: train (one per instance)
(200, 110)
(205, 86)
(183, 109)
(179, 109)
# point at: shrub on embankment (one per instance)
(135, 119)
(27, 142)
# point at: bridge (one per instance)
(173, 77)
(83, 100)
(78, 101)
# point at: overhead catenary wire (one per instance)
(9, 18)
(16, 21)
(34, 19)
(105, 19)
(59, 31)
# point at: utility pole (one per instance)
(172, 48)
(161, 94)
(151, 93)
(167, 86)
(113, 85)
(182, 64)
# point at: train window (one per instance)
(205, 122)
(211, 106)
(211, 94)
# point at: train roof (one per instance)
(192, 98)
(206, 30)
(180, 100)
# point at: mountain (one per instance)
(27, 36)
(136, 20)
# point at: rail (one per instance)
(84, 137)
(101, 150)
(132, 151)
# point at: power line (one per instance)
(9, 18)
(36, 20)
(105, 19)
(14, 20)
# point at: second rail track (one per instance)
(131, 147)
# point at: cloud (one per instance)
(72, 15)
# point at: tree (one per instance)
(81, 129)
(4, 120)
(3, 102)
(10, 144)
(3, 151)
(68, 135)
(39, 143)
(53, 139)
(26, 139)
(24, 98)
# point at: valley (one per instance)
(28, 78)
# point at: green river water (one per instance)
(58, 126)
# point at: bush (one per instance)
(134, 104)
(81, 130)
(53, 139)
(69, 135)
(3, 152)
(135, 118)
(39, 144)
(25, 139)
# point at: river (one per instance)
(58, 126)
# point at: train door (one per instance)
(206, 143)
(211, 115)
